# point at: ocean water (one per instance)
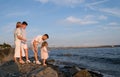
(103, 60)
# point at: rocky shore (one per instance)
(8, 68)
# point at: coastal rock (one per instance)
(44, 72)
(9, 69)
(82, 73)
(6, 55)
(12, 69)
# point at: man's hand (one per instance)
(24, 40)
(21, 38)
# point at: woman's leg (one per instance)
(26, 54)
(15, 59)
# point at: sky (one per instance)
(68, 22)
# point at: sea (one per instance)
(103, 60)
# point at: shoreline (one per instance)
(9, 68)
(4, 46)
(12, 69)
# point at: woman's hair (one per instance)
(44, 44)
(18, 24)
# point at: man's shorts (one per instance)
(24, 46)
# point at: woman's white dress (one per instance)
(18, 32)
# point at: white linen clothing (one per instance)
(24, 44)
(38, 39)
(17, 33)
(44, 53)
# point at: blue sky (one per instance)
(68, 22)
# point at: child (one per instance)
(44, 52)
(38, 40)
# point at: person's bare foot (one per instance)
(44, 64)
(21, 62)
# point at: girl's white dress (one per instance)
(44, 53)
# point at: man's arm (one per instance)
(21, 38)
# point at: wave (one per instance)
(102, 59)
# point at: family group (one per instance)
(21, 47)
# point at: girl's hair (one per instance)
(18, 24)
(44, 44)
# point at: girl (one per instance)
(44, 52)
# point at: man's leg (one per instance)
(26, 54)
(20, 59)
(35, 50)
(36, 55)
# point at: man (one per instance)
(35, 42)
(23, 43)
(18, 38)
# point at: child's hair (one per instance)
(44, 44)
(46, 35)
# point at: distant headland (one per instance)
(5, 45)
(101, 46)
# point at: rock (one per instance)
(12, 69)
(6, 55)
(3, 73)
(10, 66)
(82, 73)
(44, 72)
(96, 74)
(28, 68)
(9, 69)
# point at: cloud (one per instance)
(112, 26)
(87, 20)
(96, 3)
(84, 21)
(43, 1)
(13, 14)
(93, 4)
(102, 17)
(70, 3)
(112, 11)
